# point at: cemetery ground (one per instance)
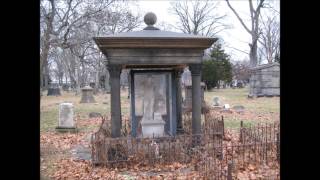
(58, 160)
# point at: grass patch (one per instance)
(234, 123)
(240, 97)
(49, 107)
(48, 120)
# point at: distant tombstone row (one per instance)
(238, 84)
(217, 105)
(66, 87)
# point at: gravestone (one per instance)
(226, 106)
(54, 90)
(240, 84)
(216, 101)
(226, 109)
(186, 78)
(95, 88)
(94, 115)
(238, 108)
(87, 95)
(66, 121)
(152, 123)
(92, 84)
(65, 87)
(187, 105)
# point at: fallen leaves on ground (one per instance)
(251, 172)
(69, 168)
(61, 141)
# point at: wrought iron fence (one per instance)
(261, 132)
(211, 122)
(268, 133)
(206, 153)
(149, 151)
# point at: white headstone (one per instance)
(154, 127)
(66, 115)
(186, 77)
(152, 123)
(216, 101)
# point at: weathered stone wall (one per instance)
(265, 81)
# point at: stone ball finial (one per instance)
(150, 18)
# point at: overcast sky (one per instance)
(235, 37)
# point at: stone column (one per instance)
(107, 82)
(129, 83)
(115, 71)
(196, 97)
(179, 100)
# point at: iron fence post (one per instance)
(278, 147)
(230, 166)
(241, 126)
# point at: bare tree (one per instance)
(118, 18)
(46, 24)
(240, 70)
(254, 30)
(270, 38)
(72, 25)
(57, 21)
(70, 63)
(197, 17)
(59, 68)
(164, 26)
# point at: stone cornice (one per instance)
(153, 42)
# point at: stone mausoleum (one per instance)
(265, 80)
(156, 60)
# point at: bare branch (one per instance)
(196, 17)
(238, 49)
(241, 21)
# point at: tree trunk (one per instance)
(46, 76)
(77, 83)
(77, 80)
(44, 66)
(253, 51)
(44, 69)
